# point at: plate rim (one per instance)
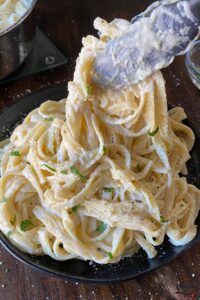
(81, 279)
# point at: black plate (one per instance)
(127, 268)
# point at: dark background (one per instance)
(65, 22)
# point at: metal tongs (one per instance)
(165, 30)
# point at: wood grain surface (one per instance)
(65, 22)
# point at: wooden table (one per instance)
(65, 22)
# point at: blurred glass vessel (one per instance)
(192, 62)
(16, 41)
(11, 11)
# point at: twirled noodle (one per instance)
(96, 176)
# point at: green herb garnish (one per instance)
(163, 220)
(109, 189)
(15, 153)
(153, 133)
(26, 225)
(89, 89)
(4, 199)
(75, 208)
(109, 255)
(74, 170)
(48, 119)
(13, 221)
(7, 270)
(104, 150)
(102, 227)
(63, 172)
(50, 168)
(9, 233)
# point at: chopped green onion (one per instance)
(15, 153)
(104, 149)
(153, 133)
(163, 220)
(7, 270)
(102, 227)
(4, 199)
(48, 119)
(9, 233)
(26, 225)
(63, 172)
(75, 208)
(89, 89)
(74, 170)
(13, 221)
(109, 189)
(50, 168)
(109, 255)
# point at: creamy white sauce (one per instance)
(11, 11)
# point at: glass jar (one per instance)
(192, 62)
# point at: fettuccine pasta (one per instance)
(96, 176)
